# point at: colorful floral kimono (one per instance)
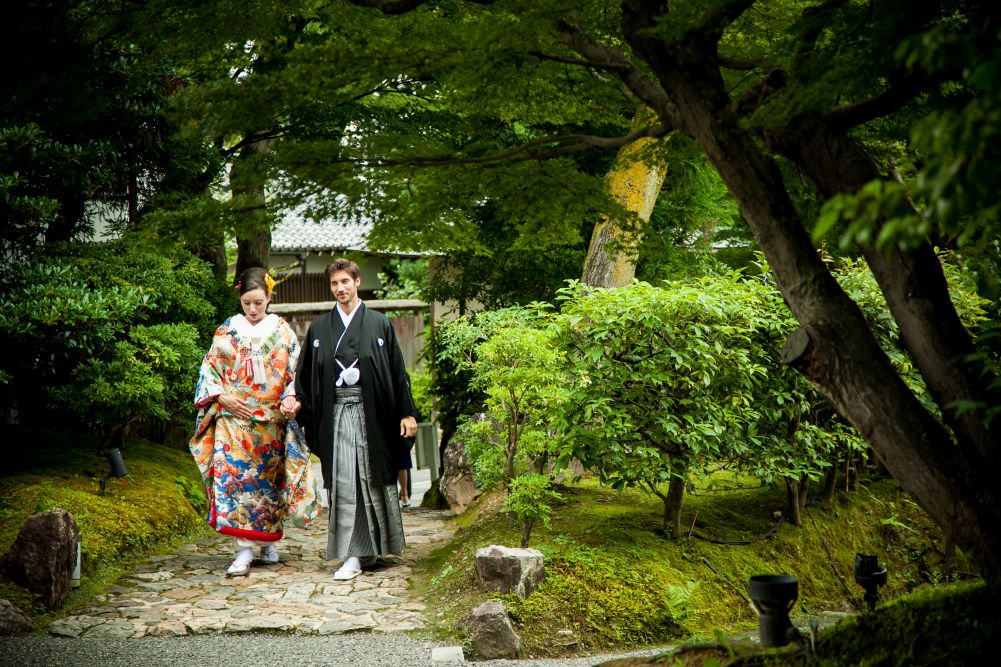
(243, 461)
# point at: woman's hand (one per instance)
(290, 407)
(235, 406)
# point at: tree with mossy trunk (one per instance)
(634, 181)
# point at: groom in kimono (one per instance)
(357, 410)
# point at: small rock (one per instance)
(507, 570)
(111, 630)
(491, 633)
(152, 576)
(447, 654)
(167, 629)
(13, 621)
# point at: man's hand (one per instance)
(290, 407)
(408, 427)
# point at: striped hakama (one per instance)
(365, 520)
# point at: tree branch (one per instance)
(392, 7)
(720, 15)
(249, 139)
(397, 7)
(737, 64)
(524, 151)
(578, 61)
(636, 81)
(900, 93)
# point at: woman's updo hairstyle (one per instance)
(255, 278)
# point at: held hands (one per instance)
(290, 406)
(238, 408)
(408, 427)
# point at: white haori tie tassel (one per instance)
(349, 375)
(260, 376)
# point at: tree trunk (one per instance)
(830, 484)
(912, 281)
(526, 532)
(247, 180)
(70, 221)
(834, 346)
(634, 182)
(792, 500)
(215, 255)
(853, 469)
(796, 493)
(672, 506)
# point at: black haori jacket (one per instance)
(384, 382)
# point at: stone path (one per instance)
(188, 593)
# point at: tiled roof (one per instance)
(295, 233)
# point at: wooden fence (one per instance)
(409, 327)
(307, 288)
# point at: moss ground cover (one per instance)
(613, 580)
(152, 509)
(956, 625)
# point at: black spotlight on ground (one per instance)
(870, 576)
(116, 466)
(773, 596)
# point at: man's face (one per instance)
(344, 288)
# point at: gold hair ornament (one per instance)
(269, 282)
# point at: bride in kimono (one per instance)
(245, 394)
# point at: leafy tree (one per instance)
(512, 360)
(675, 380)
(108, 334)
(530, 499)
(84, 127)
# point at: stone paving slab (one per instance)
(188, 593)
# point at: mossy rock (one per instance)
(433, 498)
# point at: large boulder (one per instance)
(457, 484)
(507, 570)
(491, 634)
(43, 556)
(13, 621)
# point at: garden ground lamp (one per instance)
(773, 596)
(116, 466)
(870, 576)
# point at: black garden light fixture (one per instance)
(116, 466)
(870, 576)
(773, 596)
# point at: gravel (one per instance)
(345, 650)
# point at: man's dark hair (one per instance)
(343, 264)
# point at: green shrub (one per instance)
(108, 333)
